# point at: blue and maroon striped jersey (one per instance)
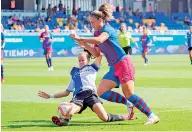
(111, 47)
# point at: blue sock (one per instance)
(146, 60)
(47, 60)
(2, 72)
(140, 104)
(50, 62)
(114, 97)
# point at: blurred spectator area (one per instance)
(61, 19)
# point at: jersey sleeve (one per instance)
(71, 86)
(95, 67)
(107, 30)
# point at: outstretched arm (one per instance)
(57, 95)
(133, 41)
(98, 60)
(94, 40)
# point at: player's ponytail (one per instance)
(89, 55)
(105, 12)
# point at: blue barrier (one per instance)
(21, 46)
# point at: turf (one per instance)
(165, 84)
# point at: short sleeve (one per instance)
(107, 29)
(95, 66)
(71, 86)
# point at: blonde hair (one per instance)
(105, 12)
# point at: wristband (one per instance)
(51, 95)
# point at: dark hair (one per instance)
(89, 55)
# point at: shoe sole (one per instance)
(56, 121)
(153, 122)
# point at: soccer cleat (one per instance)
(60, 121)
(130, 112)
(51, 68)
(152, 119)
(57, 121)
(145, 64)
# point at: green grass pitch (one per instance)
(165, 84)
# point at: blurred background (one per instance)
(73, 14)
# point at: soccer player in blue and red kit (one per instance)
(2, 47)
(47, 39)
(121, 69)
(146, 42)
(189, 42)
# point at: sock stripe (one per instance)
(143, 107)
(117, 98)
(139, 102)
(123, 100)
(114, 97)
(147, 111)
(111, 97)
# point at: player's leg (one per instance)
(46, 58)
(95, 104)
(125, 73)
(77, 107)
(49, 55)
(2, 71)
(108, 82)
(129, 50)
(190, 54)
(104, 91)
(145, 56)
(103, 115)
(63, 122)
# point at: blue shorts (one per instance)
(110, 76)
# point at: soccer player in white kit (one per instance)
(82, 85)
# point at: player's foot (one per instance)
(51, 68)
(152, 119)
(2, 80)
(145, 64)
(130, 112)
(57, 121)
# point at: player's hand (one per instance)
(76, 37)
(43, 95)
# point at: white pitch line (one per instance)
(161, 111)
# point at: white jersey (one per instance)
(83, 79)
